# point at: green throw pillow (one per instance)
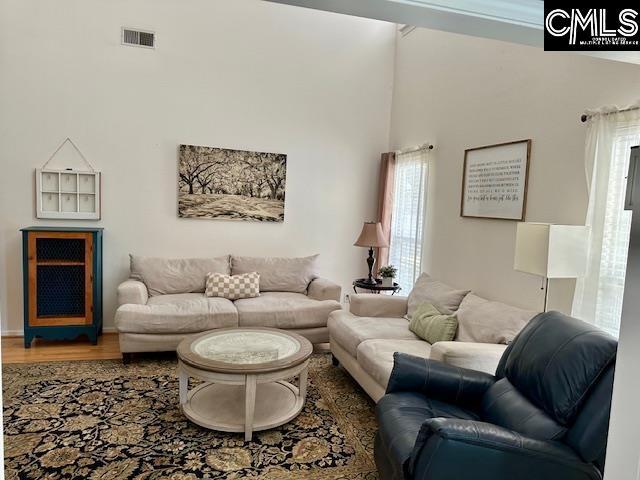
(432, 325)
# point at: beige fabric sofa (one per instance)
(365, 338)
(163, 302)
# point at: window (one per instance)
(599, 294)
(407, 218)
(615, 241)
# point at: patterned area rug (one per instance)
(104, 420)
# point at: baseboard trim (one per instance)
(20, 333)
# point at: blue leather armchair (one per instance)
(543, 416)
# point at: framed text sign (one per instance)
(494, 181)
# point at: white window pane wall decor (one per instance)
(67, 194)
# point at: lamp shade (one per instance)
(371, 236)
(551, 251)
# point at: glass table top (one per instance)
(245, 347)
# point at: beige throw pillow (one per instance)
(279, 274)
(484, 321)
(164, 276)
(430, 290)
(233, 287)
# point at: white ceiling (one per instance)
(517, 21)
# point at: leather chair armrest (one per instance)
(374, 305)
(438, 381)
(132, 291)
(496, 453)
(323, 289)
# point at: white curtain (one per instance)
(407, 218)
(598, 295)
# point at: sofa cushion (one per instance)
(284, 310)
(180, 313)
(485, 321)
(279, 274)
(166, 276)
(376, 356)
(430, 290)
(350, 331)
(483, 357)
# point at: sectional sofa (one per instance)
(163, 301)
(365, 338)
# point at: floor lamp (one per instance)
(550, 251)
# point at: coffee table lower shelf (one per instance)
(242, 402)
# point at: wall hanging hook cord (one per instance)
(84, 159)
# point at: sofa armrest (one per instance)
(438, 381)
(132, 291)
(374, 305)
(476, 356)
(448, 447)
(323, 289)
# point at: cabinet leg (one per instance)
(334, 361)
(27, 341)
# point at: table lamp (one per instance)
(372, 237)
(551, 251)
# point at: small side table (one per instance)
(377, 288)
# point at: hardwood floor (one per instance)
(13, 350)
(108, 348)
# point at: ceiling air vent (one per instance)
(405, 29)
(138, 38)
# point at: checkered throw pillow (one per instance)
(233, 287)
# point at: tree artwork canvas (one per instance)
(231, 184)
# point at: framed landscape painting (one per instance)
(227, 184)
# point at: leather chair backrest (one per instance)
(588, 435)
(556, 380)
(504, 405)
(556, 361)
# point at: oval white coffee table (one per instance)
(244, 372)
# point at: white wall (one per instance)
(229, 73)
(623, 446)
(461, 92)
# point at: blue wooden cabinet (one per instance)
(62, 277)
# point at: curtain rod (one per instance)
(424, 146)
(586, 117)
